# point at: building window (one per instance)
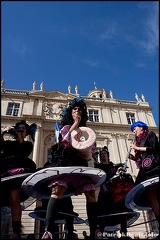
(130, 118)
(93, 116)
(13, 109)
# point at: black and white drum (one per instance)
(13, 162)
(113, 221)
(61, 218)
(36, 185)
(136, 198)
(14, 170)
(10, 182)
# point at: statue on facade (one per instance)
(76, 89)
(41, 86)
(143, 98)
(69, 89)
(136, 97)
(95, 85)
(2, 83)
(111, 94)
(103, 94)
(34, 85)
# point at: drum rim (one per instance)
(31, 214)
(140, 189)
(32, 183)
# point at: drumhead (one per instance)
(41, 215)
(17, 162)
(113, 220)
(136, 198)
(12, 182)
(5, 211)
(36, 185)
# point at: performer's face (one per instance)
(104, 157)
(21, 129)
(138, 130)
(76, 111)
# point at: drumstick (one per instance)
(124, 168)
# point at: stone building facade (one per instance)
(109, 117)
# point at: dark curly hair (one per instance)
(23, 122)
(66, 115)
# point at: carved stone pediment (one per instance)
(56, 94)
(52, 94)
(98, 93)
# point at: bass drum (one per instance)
(112, 209)
(10, 180)
(119, 186)
(13, 162)
(137, 199)
(36, 185)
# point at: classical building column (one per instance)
(36, 146)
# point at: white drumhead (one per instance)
(131, 218)
(41, 215)
(17, 176)
(82, 138)
(36, 185)
(136, 198)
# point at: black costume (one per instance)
(63, 156)
(106, 200)
(148, 162)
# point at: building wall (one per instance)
(112, 130)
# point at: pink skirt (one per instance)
(81, 184)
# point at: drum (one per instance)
(120, 185)
(113, 221)
(36, 185)
(61, 218)
(14, 162)
(136, 198)
(14, 182)
(83, 139)
(14, 170)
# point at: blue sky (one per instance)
(61, 43)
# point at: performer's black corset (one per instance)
(65, 157)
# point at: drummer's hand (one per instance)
(131, 156)
(134, 147)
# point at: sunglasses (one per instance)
(77, 108)
(103, 153)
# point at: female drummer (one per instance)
(105, 195)
(14, 161)
(71, 118)
(146, 157)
